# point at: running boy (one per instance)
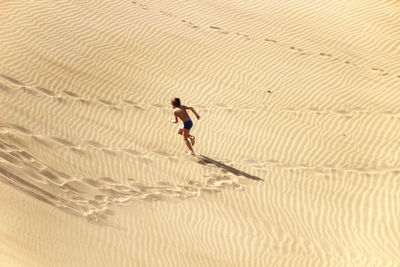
(180, 111)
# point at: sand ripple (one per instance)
(298, 139)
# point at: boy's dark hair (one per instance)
(176, 102)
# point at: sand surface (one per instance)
(298, 144)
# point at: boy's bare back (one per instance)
(181, 112)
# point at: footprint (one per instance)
(117, 196)
(162, 183)
(210, 190)
(188, 188)
(71, 94)
(190, 24)
(105, 102)
(62, 141)
(215, 28)
(100, 197)
(26, 155)
(131, 151)
(3, 145)
(377, 69)
(108, 104)
(10, 79)
(219, 29)
(381, 71)
(244, 35)
(77, 187)
(143, 6)
(154, 197)
(130, 102)
(109, 151)
(15, 140)
(93, 143)
(140, 4)
(269, 40)
(16, 154)
(107, 180)
(121, 187)
(166, 13)
(52, 177)
(237, 186)
(78, 150)
(109, 212)
(301, 53)
(41, 139)
(140, 187)
(11, 159)
(96, 205)
(92, 182)
(45, 91)
(28, 89)
(217, 181)
(20, 129)
(84, 101)
(63, 175)
(342, 112)
(350, 63)
(296, 49)
(325, 54)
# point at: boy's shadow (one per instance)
(229, 168)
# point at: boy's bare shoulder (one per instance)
(178, 111)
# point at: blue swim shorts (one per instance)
(188, 124)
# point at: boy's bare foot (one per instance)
(191, 153)
(192, 140)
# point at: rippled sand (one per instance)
(297, 146)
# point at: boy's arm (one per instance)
(176, 118)
(195, 113)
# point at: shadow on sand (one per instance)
(229, 168)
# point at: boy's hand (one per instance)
(198, 117)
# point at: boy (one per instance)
(180, 111)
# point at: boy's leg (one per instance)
(185, 139)
(192, 139)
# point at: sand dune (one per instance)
(297, 146)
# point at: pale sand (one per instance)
(300, 129)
